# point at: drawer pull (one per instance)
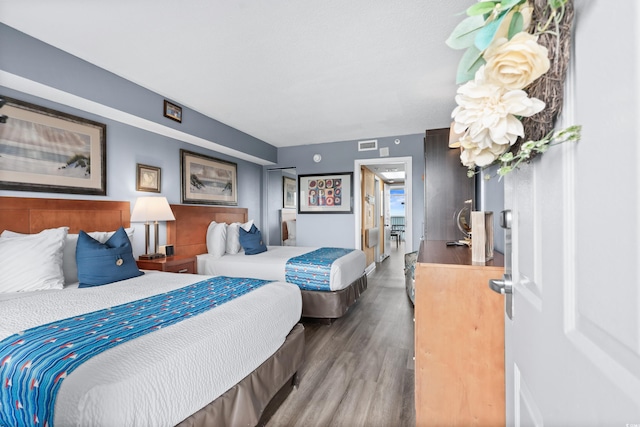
(184, 270)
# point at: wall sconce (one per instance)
(454, 138)
(153, 209)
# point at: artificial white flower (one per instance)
(515, 63)
(473, 155)
(488, 112)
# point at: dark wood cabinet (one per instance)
(446, 187)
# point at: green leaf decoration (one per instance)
(469, 64)
(509, 4)
(481, 8)
(465, 32)
(555, 4)
(517, 22)
(486, 34)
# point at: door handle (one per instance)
(504, 286)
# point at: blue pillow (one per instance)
(103, 263)
(251, 241)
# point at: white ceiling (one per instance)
(287, 72)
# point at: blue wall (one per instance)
(37, 63)
(127, 145)
(339, 229)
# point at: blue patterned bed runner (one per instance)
(312, 271)
(35, 362)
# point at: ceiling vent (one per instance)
(372, 144)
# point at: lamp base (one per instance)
(151, 256)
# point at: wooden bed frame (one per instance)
(255, 398)
(188, 235)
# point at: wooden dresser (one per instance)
(459, 339)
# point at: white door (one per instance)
(572, 353)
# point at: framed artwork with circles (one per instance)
(326, 193)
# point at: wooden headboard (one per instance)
(31, 215)
(188, 233)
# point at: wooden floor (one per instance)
(358, 371)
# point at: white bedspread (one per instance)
(160, 378)
(270, 265)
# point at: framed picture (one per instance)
(207, 180)
(172, 111)
(289, 197)
(46, 150)
(147, 178)
(327, 193)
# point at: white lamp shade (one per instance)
(152, 208)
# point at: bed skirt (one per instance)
(331, 305)
(245, 403)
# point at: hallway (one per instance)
(358, 371)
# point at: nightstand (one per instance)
(172, 264)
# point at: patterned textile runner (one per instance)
(34, 362)
(312, 271)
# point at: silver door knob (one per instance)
(503, 286)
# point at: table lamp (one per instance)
(147, 209)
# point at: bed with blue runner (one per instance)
(35, 362)
(312, 271)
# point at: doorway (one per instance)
(406, 163)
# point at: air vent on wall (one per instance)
(372, 144)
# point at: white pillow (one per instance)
(69, 265)
(32, 262)
(233, 236)
(217, 238)
(291, 228)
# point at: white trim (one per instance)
(40, 90)
(408, 196)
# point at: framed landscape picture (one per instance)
(327, 193)
(207, 180)
(289, 199)
(47, 150)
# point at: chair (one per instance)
(397, 231)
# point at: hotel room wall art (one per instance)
(326, 193)
(148, 178)
(172, 111)
(207, 180)
(289, 198)
(46, 150)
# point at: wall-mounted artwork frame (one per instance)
(325, 193)
(148, 178)
(207, 180)
(289, 193)
(172, 111)
(45, 150)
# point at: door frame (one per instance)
(408, 192)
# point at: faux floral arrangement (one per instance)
(502, 61)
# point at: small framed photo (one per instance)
(326, 193)
(289, 196)
(172, 111)
(148, 178)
